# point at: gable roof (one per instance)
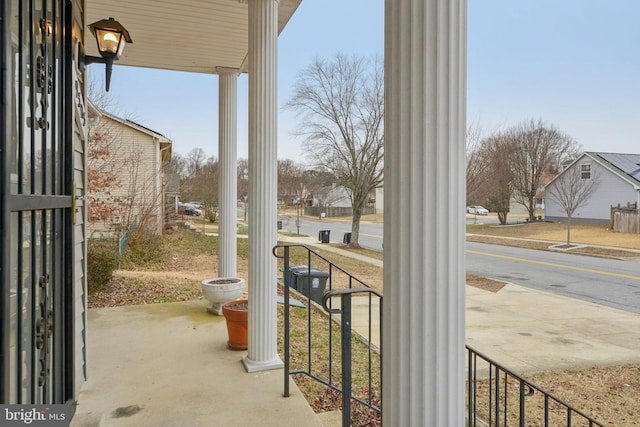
(627, 165)
(95, 114)
(153, 134)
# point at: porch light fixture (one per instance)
(111, 37)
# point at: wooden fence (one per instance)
(625, 219)
(334, 211)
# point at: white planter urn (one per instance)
(219, 290)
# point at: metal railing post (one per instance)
(347, 334)
(286, 322)
(346, 359)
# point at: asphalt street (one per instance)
(609, 282)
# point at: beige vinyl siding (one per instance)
(134, 158)
(79, 231)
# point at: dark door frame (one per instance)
(42, 359)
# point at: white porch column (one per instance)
(424, 295)
(263, 185)
(228, 182)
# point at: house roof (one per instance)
(156, 135)
(183, 35)
(625, 164)
(164, 142)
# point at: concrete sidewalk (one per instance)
(528, 330)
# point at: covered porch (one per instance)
(168, 365)
(425, 75)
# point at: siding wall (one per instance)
(134, 157)
(79, 236)
(611, 190)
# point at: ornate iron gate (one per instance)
(36, 182)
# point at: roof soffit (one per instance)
(182, 35)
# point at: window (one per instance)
(585, 171)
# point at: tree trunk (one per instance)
(532, 209)
(355, 227)
(569, 231)
(502, 217)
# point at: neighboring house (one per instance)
(171, 193)
(334, 200)
(127, 162)
(618, 178)
(335, 196)
(380, 198)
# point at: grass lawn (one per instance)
(581, 233)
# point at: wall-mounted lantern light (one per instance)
(111, 37)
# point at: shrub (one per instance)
(145, 250)
(102, 260)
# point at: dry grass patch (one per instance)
(582, 233)
(313, 353)
(484, 283)
(610, 394)
(370, 275)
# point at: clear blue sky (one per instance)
(572, 63)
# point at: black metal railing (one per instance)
(498, 397)
(321, 363)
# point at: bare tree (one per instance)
(119, 192)
(539, 149)
(314, 180)
(243, 183)
(341, 101)
(571, 190)
(243, 179)
(195, 159)
(103, 177)
(475, 166)
(178, 165)
(496, 175)
(289, 180)
(202, 186)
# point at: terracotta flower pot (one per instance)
(236, 313)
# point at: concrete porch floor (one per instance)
(168, 365)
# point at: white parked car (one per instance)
(478, 210)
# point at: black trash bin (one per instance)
(279, 225)
(347, 238)
(323, 236)
(312, 283)
(293, 271)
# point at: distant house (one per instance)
(618, 184)
(335, 196)
(126, 176)
(334, 200)
(380, 198)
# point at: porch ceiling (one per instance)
(182, 35)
